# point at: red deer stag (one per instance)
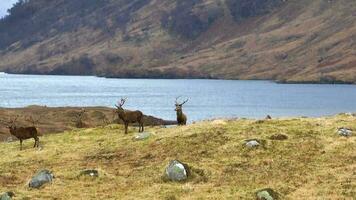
(181, 117)
(23, 133)
(129, 116)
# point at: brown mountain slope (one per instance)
(305, 40)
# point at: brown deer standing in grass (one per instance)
(181, 117)
(23, 133)
(129, 116)
(79, 118)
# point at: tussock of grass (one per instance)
(313, 163)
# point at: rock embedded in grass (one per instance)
(7, 196)
(142, 136)
(41, 178)
(345, 132)
(252, 143)
(267, 194)
(177, 171)
(90, 172)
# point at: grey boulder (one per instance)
(267, 194)
(177, 171)
(41, 178)
(344, 132)
(7, 196)
(252, 143)
(142, 136)
(90, 173)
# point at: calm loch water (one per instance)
(208, 98)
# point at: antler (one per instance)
(12, 121)
(31, 120)
(81, 113)
(177, 103)
(4, 122)
(177, 100)
(184, 102)
(122, 102)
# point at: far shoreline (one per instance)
(286, 82)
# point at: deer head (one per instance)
(11, 124)
(120, 104)
(179, 106)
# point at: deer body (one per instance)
(24, 133)
(181, 117)
(130, 117)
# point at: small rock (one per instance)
(252, 143)
(90, 172)
(267, 194)
(9, 139)
(268, 117)
(278, 137)
(7, 196)
(41, 178)
(142, 136)
(344, 132)
(177, 171)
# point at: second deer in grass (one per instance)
(23, 133)
(181, 117)
(129, 116)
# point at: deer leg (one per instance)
(37, 142)
(126, 127)
(20, 144)
(142, 127)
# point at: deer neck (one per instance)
(12, 129)
(179, 113)
(121, 113)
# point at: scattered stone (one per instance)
(177, 171)
(268, 117)
(90, 172)
(7, 196)
(278, 137)
(142, 136)
(41, 178)
(345, 132)
(267, 194)
(252, 143)
(9, 139)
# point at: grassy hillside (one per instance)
(313, 163)
(292, 41)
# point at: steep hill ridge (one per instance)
(292, 41)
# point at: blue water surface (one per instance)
(207, 98)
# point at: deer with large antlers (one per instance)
(23, 133)
(129, 116)
(181, 117)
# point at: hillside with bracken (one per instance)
(283, 40)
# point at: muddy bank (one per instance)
(59, 119)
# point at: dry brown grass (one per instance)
(314, 163)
